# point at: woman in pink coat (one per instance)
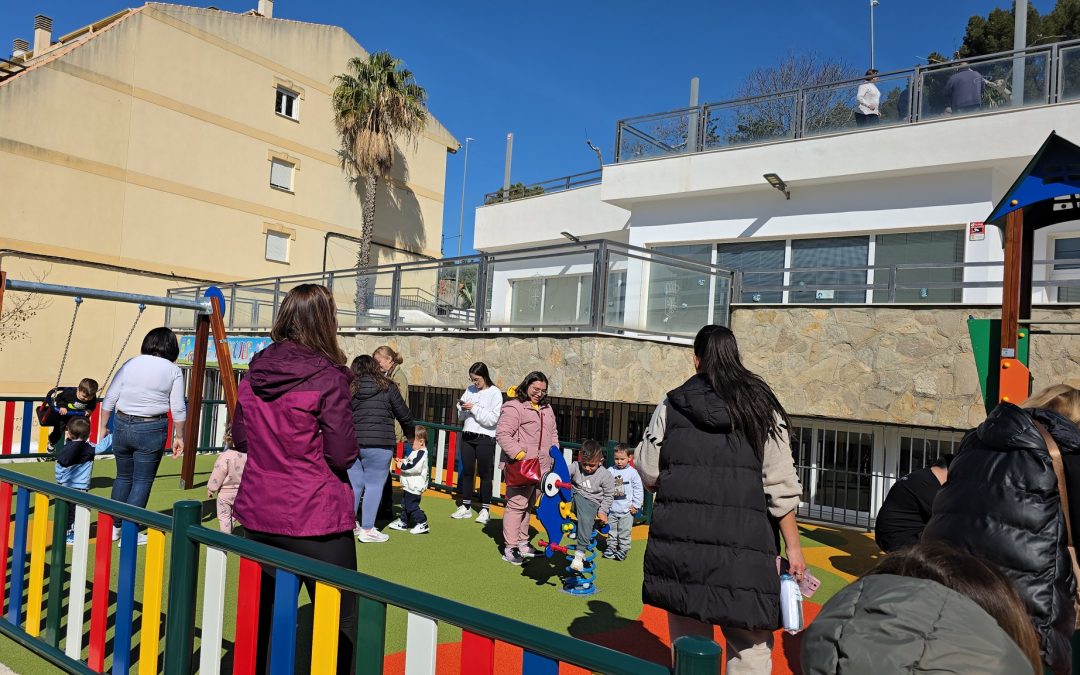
(526, 430)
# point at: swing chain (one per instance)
(138, 316)
(67, 345)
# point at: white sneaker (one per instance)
(398, 524)
(372, 536)
(483, 516)
(420, 528)
(116, 533)
(356, 529)
(139, 541)
(463, 512)
(578, 563)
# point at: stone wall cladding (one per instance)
(589, 367)
(885, 364)
(906, 365)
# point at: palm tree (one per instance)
(375, 101)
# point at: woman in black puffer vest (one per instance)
(376, 405)
(1002, 503)
(718, 457)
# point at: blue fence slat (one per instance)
(283, 633)
(18, 557)
(125, 597)
(535, 664)
(27, 423)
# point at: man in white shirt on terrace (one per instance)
(868, 99)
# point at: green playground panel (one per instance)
(985, 337)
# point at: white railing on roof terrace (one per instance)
(1050, 75)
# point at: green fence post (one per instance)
(57, 564)
(370, 636)
(183, 578)
(695, 655)
(609, 453)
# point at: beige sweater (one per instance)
(778, 474)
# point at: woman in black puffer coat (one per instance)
(376, 404)
(1002, 503)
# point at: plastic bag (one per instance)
(791, 609)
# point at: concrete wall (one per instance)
(899, 364)
(542, 220)
(147, 147)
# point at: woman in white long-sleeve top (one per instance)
(141, 396)
(478, 410)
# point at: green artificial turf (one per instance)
(457, 560)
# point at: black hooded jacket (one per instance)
(1001, 503)
(374, 411)
(711, 553)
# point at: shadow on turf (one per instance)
(602, 625)
(858, 554)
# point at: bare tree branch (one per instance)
(18, 309)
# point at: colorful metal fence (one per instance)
(76, 645)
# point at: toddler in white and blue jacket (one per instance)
(415, 476)
(629, 494)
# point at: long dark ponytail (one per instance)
(753, 405)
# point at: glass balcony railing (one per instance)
(1041, 75)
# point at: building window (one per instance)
(756, 259)
(281, 174)
(287, 103)
(941, 246)
(680, 296)
(277, 246)
(820, 285)
(1067, 248)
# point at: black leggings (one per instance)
(478, 452)
(336, 549)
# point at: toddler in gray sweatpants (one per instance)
(594, 488)
(629, 495)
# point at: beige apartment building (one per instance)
(167, 145)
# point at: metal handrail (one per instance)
(915, 75)
(552, 185)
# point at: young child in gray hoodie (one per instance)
(594, 490)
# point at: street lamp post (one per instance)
(873, 4)
(461, 216)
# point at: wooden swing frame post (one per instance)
(206, 325)
(1014, 377)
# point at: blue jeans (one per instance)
(367, 476)
(137, 445)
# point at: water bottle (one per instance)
(791, 604)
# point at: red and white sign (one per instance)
(976, 231)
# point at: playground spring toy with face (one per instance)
(556, 504)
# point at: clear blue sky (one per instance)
(549, 71)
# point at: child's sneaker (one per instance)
(70, 538)
(398, 524)
(463, 512)
(620, 556)
(483, 516)
(420, 528)
(527, 551)
(578, 563)
(116, 533)
(372, 536)
(609, 553)
(139, 541)
(512, 556)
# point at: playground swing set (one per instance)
(209, 311)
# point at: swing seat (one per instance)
(48, 414)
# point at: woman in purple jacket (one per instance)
(294, 422)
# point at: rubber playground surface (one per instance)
(461, 560)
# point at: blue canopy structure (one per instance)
(1048, 189)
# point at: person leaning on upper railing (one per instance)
(718, 457)
(1002, 503)
(869, 99)
(293, 420)
(478, 410)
